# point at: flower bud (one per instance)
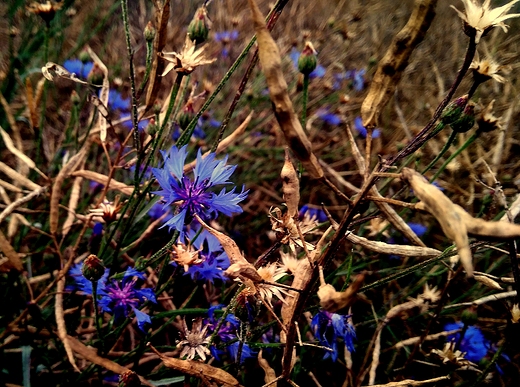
(198, 29)
(152, 127)
(308, 61)
(93, 269)
(454, 110)
(84, 57)
(96, 75)
(186, 115)
(466, 120)
(149, 32)
(469, 316)
(74, 97)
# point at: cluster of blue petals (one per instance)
(328, 328)
(118, 297)
(195, 196)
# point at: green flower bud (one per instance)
(96, 75)
(308, 61)
(149, 32)
(152, 127)
(186, 115)
(454, 110)
(93, 268)
(198, 29)
(466, 120)
(469, 316)
(84, 57)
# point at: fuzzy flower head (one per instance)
(187, 60)
(194, 196)
(480, 19)
(329, 327)
(194, 342)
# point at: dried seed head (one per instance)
(469, 315)
(486, 69)
(187, 60)
(46, 11)
(195, 341)
(108, 210)
(515, 313)
(185, 256)
(487, 121)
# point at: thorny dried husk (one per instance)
(271, 62)
(395, 61)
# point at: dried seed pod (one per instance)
(291, 186)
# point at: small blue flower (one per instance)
(215, 259)
(328, 117)
(159, 210)
(329, 327)
(358, 125)
(473, 343)
(127, 123)
(226, 37)
(319, 71)
(194, 196)
(122, 297)
(117, 102)
(311, 212)
(418, 228)
(78, 67)
(358, 79)
(247, 352)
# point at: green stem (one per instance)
(149, 52)
(468, 142)
(450, 141)
(305, 98)
(96, 313)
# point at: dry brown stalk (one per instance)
(411, 382)
(13, 260)
(199, 370)
(18, 153)
(395, 61)
(270, 376)
(454, 220)
(270, 60)
(60, 322)
(102, 179)
(332, 300)
(18, 177)
(103, 94)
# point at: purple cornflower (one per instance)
(78, 67)
(194, 196)
(247, 352)
(328, 117)
(329, 327)
(122, 297)
(215, 260)
(315, 213)
(318, 72)
(358, 125)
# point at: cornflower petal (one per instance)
(142, 319)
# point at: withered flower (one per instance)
(187, 60)
(449, 355)
(195, 341)
(480, 19)
(108, 210)
(287, 230)
(487, 121)
(46, 10)
(271, 273)
(186, 256)
(486, 69)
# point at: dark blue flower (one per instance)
(78, 67)
(358, 125)
(473, 343)
(247, 352)
(215, 259)
(83, 285)
(318, 72)
(418, 228)
(127, 122)
(194, 196)
(358, 79)
(311, 212)
(117, 102)
(328, 117)
(122, 297)
(329, 327)
(158, 210)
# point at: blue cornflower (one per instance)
(122, 297)
(117, 102)
(473, 343)
(159, 210)
(194, 196)
(215, 260)
(247, 352)
(315, 213)
(328, 327)
(78, 67)
(358, 125)
(328, 117)
(226, 37)
(318, 72)
(127, 122)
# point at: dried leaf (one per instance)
(103, 94)
(73, 203)
(60, 322)
(488, 282)
(385, 248)
(17, 177)
(290, 186)
(283, 109)
(270, 375)
(332, 300)
(102, 179)
(52, 70)
(161, 21)
(18, 202)
(56, 188)
(395, 61)
(33, 113)
(243, 270)
(198, 369)
(18, 153)
(13, 260)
